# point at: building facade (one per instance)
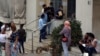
(86, 11)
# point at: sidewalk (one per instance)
(28, 47)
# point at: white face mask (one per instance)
(7, 29)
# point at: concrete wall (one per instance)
(96, 18)
(31, 15)
(84, 14)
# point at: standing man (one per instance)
(50, 13)
(22, 38)
(41, 28)
(44, 7)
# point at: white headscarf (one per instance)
(2, 27)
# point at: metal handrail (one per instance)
(31, 22)
(38, 28)
(33, 31)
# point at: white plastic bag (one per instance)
(85, 54)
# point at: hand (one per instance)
(15, 48)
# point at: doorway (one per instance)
(96, 18)
(71, 8)
(56, 4)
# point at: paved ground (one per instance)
(28, 47)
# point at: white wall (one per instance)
(84, 14)
(4, 20)
(31, 15)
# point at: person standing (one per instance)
(3, 37)
(44, 7)
(50, 13)
(66, 32)
(41, 28)
(22, 38)
(14, 40)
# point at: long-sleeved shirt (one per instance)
(41, 24)
(67, 33)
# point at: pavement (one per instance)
(28, 48)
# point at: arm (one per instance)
(94, 44)
(62, 31)
(16, 42)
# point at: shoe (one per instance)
(44, 38)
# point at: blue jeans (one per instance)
(90, 50)
(65, 48)
(13, 51)
(42, 34)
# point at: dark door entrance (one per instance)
(71, 8)
(56, 4)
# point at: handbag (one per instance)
(64, 39)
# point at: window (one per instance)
(56, 4)
(71, 8)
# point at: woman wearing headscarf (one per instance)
(66, 32)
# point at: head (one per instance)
(13, 26)
(44, 6)
(3, 29)
(12, 23)
(42, 16)
(21, 26)
(61, 7)
(66, 23)
(51, 3)
(89, 36)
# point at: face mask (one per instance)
(7, 29)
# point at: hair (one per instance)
(21, 25)
(60, 6)
(66, 22)
(51, 3)
(42, 16)
(12, 25)
(44, 5)
(91, 35)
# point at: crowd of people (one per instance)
(48, 13)
(11, 39)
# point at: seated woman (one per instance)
(91, 45)
(83, 41)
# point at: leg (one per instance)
(81, 48)
(14, 52)
(20, 48)
(23, 47)
(65, 48)
(7, 49)
(40, 36)
(44, 33)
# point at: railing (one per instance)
(31, 22)
(33, 31)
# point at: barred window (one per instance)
(56, 4)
